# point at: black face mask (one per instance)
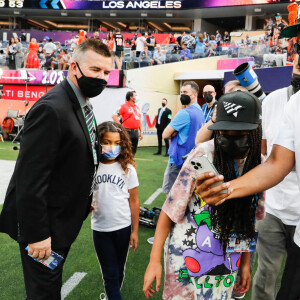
(185, 99)
(208, 98)
(163, 104)
(295, 82)
(90, 86)
(234, 146)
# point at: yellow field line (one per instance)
(144, 159)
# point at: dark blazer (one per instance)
(165, 120)
(48, 194)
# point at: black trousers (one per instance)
(290, 287)
(134, 137)
(159, 138)
(112, 249)
(42, 283)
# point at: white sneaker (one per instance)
(103, 296)
(150, 240)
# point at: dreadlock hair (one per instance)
(126, 156)
(238, 214)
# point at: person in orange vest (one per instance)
(82, 36)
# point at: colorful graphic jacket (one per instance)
(195, 266)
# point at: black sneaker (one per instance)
(166, 155)
(236, 295)
(157, 153)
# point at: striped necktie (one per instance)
(89, 118)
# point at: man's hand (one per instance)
(40, 250)
(141, 136)
(211, 195)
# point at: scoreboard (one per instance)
(130, 4)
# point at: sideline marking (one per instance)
(153, 196)
(71, 283)
(146, 159)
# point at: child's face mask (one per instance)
(111, 152)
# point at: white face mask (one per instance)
(137, 99)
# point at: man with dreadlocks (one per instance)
(197, 263)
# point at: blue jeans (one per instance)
(112, 250)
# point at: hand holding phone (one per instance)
(201, 164)
(51, 262)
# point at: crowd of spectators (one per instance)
(43, 55)
(143, 50)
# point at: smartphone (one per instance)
(51, 262)
(202, 164)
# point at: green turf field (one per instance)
(82, 257)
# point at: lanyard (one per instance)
(95, 124)
(235, 168)
(207, 116)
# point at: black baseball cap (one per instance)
(237, 111)
(278, 15)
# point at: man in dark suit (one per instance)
(163, 119)
(50, 192)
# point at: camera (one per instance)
(149, 217)
(248, 79)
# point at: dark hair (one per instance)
(95, 45)
(126, 156)
(117, 30)
(193, 84)
(143, 33)
(129, 95)
(236, 214)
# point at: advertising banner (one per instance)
(130, 4)
(46, 78)
(19, 92)
(39, 82)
